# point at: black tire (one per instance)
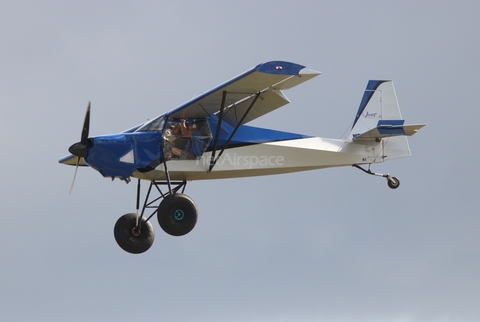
(393, 182)
(132, 241)
(177, 214)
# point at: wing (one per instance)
(261, 85)
(72, 160)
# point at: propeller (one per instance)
(80, 149)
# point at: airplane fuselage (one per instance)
(263, 159)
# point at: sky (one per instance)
(326, 245)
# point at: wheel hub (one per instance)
(136, 231)
(179, 214)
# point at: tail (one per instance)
(379, 124)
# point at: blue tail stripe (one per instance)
(390, 123)
(367, 95)
(391, 130)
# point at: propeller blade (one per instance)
(86, 126)
(80, 149)
(74, 175)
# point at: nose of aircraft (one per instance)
(79, 149)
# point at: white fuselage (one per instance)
(268, 158)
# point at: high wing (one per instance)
(242, 99)
(261, 85)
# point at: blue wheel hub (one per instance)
(179, 214)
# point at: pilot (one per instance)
(170, 137)
(181, 143)
(195, 145)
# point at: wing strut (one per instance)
(214, 160)
(217, 133)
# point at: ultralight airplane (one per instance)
(207, 138)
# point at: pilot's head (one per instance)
(175, 129)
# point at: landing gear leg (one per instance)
(176, 213)
(392, 182)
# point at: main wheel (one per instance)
(131, 238)
(393, 182)
(177, 214)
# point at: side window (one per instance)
(152, 125)
(185, 139)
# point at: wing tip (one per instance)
(309, 72)
(279, 67)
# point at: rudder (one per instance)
(379, 102)
(379, 123)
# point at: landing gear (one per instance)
(134, 234)
(392, 182)
(177, 215)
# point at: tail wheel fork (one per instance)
(392, 182)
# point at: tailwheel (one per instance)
(134, 234)
(393, 182)
(177, 214)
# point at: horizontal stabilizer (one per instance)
(389, 130)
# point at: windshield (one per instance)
(153, 125)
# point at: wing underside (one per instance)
(262, 85)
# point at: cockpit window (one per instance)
(185, 139)
(153, 125)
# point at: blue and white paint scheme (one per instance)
(378, 133)
(208, 138)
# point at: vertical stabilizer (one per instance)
(379, 111)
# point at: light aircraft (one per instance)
(207, 138)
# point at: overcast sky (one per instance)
(326, 245)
